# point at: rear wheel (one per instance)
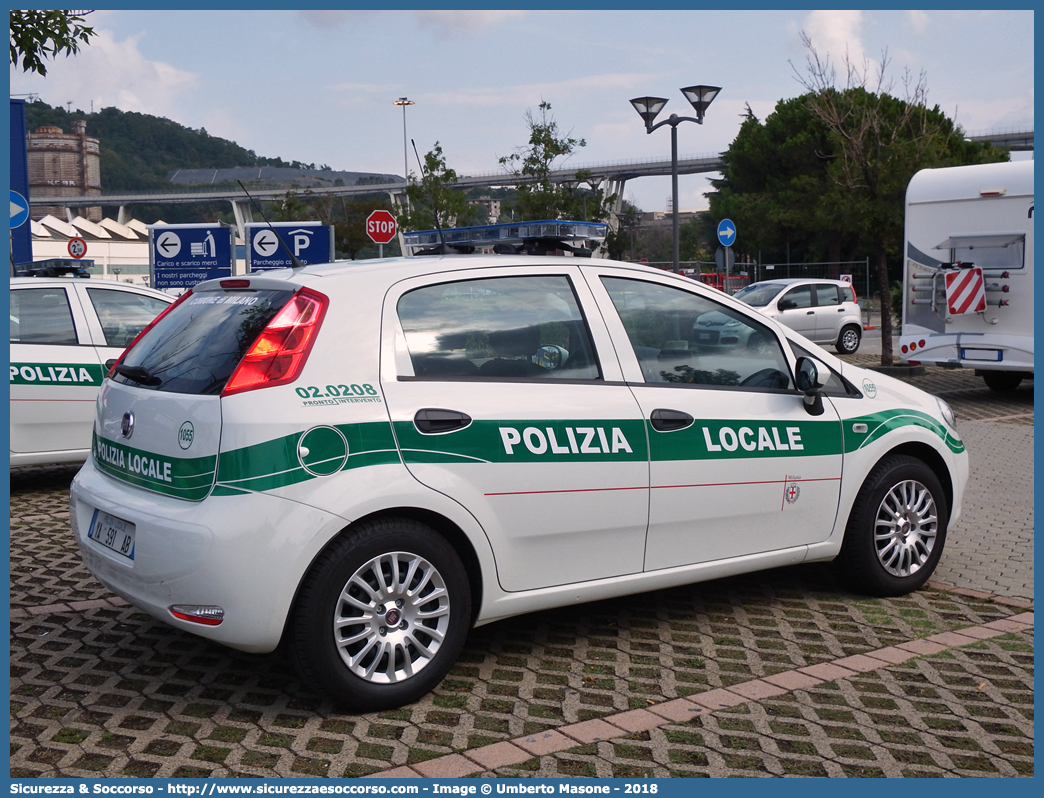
(382, 615)
(848, 339)
(897, 529)
(1002, 381)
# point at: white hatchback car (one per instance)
(824, 311)
(365, 459)
(63, 330)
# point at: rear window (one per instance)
(195, 348)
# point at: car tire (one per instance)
(382, 615)
(897, 529)
(848, 339)
(1002, 381)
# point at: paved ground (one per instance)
(778, 673)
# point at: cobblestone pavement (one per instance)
(770, 674)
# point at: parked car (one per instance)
(824, 311)
(63, 330)
(364, 460)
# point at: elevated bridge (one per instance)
(613, 174)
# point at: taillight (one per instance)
(280, 351)
(151, 324)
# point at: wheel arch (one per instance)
(931, 458)
(456, 537)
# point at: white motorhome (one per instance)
(968, 280)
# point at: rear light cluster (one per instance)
(280, 351)
(913, 347)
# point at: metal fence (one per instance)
(742, 274)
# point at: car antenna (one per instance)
(297, 264)
(431, 198)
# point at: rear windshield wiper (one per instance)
(139, 374)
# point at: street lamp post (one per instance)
(648, 107)
(405, 153)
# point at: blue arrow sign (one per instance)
(19, 210)
(269, 245)
(185, 254)
(726, 232)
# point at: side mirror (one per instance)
(786, 304)
(811, 375)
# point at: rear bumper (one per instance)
(246, 554)
(962, 350)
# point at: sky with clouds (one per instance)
(318, 86)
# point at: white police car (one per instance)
(63, 330)
(366, 459)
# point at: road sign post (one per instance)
(727, 237)
(381, 228)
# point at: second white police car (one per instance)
(366, 459)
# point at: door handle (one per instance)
(670, 420)
(810, 313)
(433, 420)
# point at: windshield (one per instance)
(195, 348)
(759, 294)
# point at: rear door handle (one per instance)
(433, 420)
(670, 420)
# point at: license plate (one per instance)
(113, 533)
(704, 336)
(981, 354)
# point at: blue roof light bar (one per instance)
(512, 233)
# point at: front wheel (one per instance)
(897, 529)
(848, 340)
(382, 615)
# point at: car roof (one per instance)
(793, 280)
(50, 282)
(391, 270)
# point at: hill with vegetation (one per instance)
(139, 152)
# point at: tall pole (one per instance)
(674, 194)
(403, 101)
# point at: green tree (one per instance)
(434, 194)
(39, 35)
(880, 142)
(774, 184)
(537, 196)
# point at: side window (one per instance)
(41, 316)
(498, 328)
(684, 338)
(847, 294)
(826, 294)
(123, 314)
(801, 296)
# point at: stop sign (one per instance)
(380, 227)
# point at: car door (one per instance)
(796, 310)
(829, 312)
(507, 397)
(737, 465)
(55, 371)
